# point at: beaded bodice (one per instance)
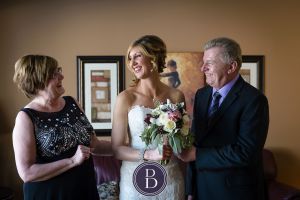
(58, 132)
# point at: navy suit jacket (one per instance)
(229, 145)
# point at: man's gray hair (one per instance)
(231, 49)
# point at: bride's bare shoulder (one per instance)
(176, 95)
(127, 96)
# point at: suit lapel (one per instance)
(202, 109)
(228, 101)
(204, 105)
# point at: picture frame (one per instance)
(252, 70)
(99, 80)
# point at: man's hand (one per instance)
(188, 155)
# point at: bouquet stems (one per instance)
(164, 162)
(165, 144)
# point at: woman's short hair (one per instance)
(152, 47)
(33, 72)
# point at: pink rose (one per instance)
(175, 115)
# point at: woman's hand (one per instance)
(82, 154)
(153, 154)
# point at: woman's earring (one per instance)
(154, 68)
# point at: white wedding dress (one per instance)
(175, 181)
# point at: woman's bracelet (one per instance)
(142, 154)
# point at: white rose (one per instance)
(169, 126)
(162, 119)
(152, 120)
(163, 106)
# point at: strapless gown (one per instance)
(175, 181)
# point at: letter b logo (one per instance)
(150, 178)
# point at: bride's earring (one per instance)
(154, 68)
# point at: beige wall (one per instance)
(65, 29)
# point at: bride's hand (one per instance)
(153, 154)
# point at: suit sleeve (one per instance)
(252, 126)
(191, 172)
(190, 179)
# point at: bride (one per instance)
(145, 59)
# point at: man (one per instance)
(230, 130)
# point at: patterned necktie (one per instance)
(215, 103)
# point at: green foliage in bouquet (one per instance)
(169, 121)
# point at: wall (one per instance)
(64, 29)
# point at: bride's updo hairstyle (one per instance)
(152, 47)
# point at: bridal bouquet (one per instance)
(169, 121)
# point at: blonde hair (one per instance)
(32, 73)
(152, 47)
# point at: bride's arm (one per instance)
(120, 131)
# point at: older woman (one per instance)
(52, 137)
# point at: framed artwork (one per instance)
(99, 80)
(252, 70)
(183, 71)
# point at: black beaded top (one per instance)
(58, 132)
